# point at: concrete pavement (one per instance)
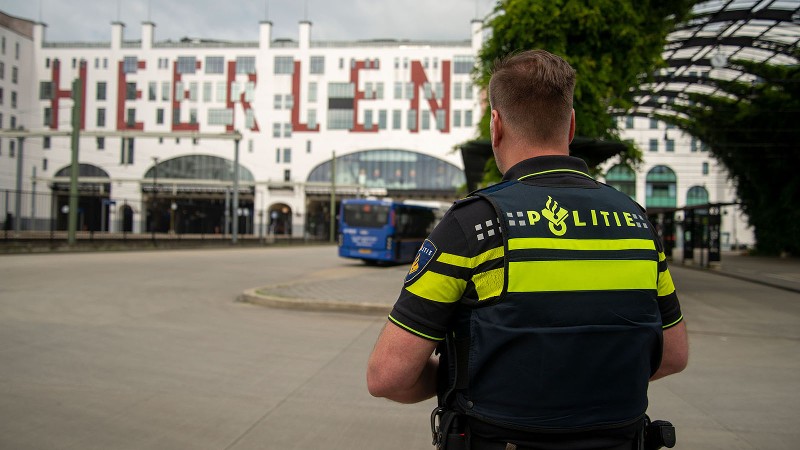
(150, 350)
(740, 390)
(783, 273)
(351, 287)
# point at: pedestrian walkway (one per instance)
(783, 273)
(352, 288)
(163, 358)
(361, 288)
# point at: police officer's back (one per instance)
(548, 294)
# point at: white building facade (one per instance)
(16, 72)
(392, 112)
(677, 172)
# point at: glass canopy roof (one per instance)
(699, 53)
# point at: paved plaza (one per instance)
(158, 350)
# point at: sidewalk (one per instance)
(782, 273)
(354, 287)
(162, 358)
(362, 289)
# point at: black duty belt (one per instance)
(486, 445)
(479, 444)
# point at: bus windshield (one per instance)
(366, 215)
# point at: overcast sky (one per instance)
(237, 20)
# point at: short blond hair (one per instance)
(532, 91)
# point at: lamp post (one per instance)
(74, 168)
(33, 200)
(18, 199)
(235, 232)
(173, 208)
(332, 231)
(153, 207)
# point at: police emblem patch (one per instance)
(424, 257)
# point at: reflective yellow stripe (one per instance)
(555, 171)
(489, 284)
(437, 287)
(661, 257)
(588, 275)
(665, 284)
(405, 327)
(581, 244)
(673, 323)
(471, 263)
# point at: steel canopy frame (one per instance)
(699, 51)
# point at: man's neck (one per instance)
(522, 153)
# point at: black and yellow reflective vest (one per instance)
(576, 333)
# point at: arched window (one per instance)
(84, 171)
(661, 188)
(697, 195)
(198, 167)
(622, 178)
(391, 169)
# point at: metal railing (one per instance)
(43, 216)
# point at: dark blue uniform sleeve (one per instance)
(462, 261)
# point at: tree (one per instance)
(612, 44)
(752, 128)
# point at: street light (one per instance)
(18, 197)
(153, 207)
(173, 208)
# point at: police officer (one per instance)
(548, 294)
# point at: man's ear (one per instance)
(496, 128)
(572, 126)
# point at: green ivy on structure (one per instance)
(610, 43)
(753, 129)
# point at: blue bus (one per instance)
(384, 231)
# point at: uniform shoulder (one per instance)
(460, 203)
(480, 194)
(476, 220)
(472, 206)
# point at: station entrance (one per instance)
(93, 199)
(194, 195)
(694, 231)
(186, 210)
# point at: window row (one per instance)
(211, 92)
(432, 91)
(654, 124)
(217, 91)
(342, 119)
(338, 119)
(3, 48)
(282, 65)
(197, 166)
(14, 72)
(13, 121)
(660, 187)
(669, 145)
(462, 64)
(12, 148)
(13, 98)
(217, 116)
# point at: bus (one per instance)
(385, 231)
